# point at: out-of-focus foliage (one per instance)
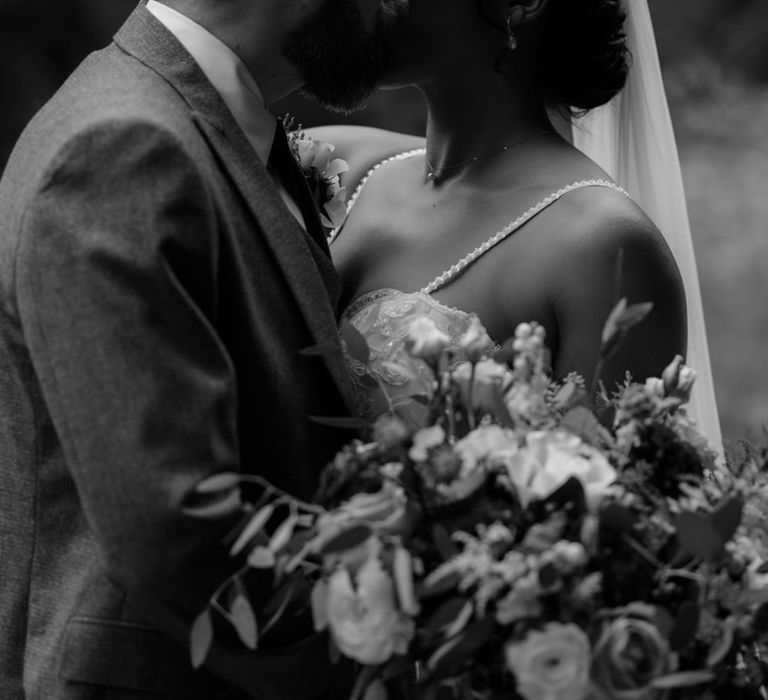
(715, 54)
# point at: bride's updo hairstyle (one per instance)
(584, 58)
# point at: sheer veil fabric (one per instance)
(633, 140)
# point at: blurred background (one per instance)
(715, 57)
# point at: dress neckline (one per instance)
(365, 299)
(447, 276)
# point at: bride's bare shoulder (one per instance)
(598, 222)
(363, 147)
(600, 228)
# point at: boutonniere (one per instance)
(322, 172)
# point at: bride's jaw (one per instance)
(476, 103)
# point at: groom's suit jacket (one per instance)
(155, 294)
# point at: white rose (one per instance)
(425, 440)
(552, 664)
(363, 617)
(425, 340)
(307, 148)
(550, 459)
(475, 342)
(490, 381)
(522, 602)
(335, 209)
(488, 442)
(323, 152)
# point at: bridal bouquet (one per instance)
(529, 543)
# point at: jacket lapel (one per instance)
(145, 38)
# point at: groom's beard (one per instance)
(338, 57)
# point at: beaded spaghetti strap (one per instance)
(454, 271)
(361, 185)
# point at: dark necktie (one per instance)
(283, 165)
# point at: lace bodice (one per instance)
(383, 317)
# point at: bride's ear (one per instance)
(522, 11)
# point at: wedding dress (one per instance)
(633, 140)
(383, 317)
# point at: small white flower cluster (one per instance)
(322, 171)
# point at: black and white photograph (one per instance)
(384, 350)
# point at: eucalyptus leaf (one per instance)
(402, 569)
(213, 508)
(254, 527)
(722, 646)
(461, 621)
(278, 604)
(401, 370)
(224, 481)
(244, 621)
(261, 558)
(612, 328)
(463, 647)
(357, 345)
(283, 533)
(621, 320)
(322, 350)
(344, 423)
(438, 583)
(319, 603)
(684, 679)
(349, 539)
(201, 638)
(698, 536)
(445, 614)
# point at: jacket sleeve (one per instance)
(116, 281)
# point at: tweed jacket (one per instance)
(155, 296)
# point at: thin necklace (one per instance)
(433, 173)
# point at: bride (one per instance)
(497, 214)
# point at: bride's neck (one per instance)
(473, 116)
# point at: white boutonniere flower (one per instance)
(323, 174)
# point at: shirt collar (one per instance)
(228, 75)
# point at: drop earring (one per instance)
(511, 37)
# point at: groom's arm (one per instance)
(117, 292)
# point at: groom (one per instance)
(161, 268)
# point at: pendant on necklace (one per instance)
(432, 177)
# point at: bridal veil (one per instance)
(632, 139)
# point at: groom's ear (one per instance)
(522, 11)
